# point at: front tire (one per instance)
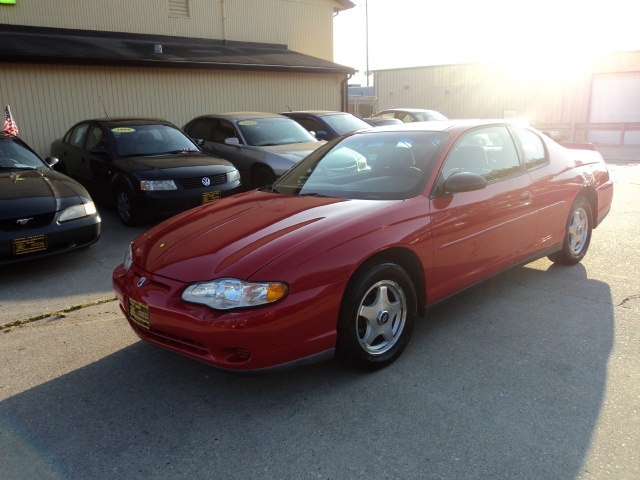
(125, 203)
(261, 177)
(578, 234)
(377, 317)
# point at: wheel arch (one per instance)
(406, 259)
(589, 193)
(119, 179)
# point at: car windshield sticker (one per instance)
(123, 130)
(247, 122)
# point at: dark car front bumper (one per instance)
(170, 203)
(52, 239)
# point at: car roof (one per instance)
(242, 115)
(442, 125)
(407, 110)
(114, 121)
(318, 112)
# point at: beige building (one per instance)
(602, 94)
(66, 60)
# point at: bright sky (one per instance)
(408, 33)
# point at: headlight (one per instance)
(229, 293)
(128, 259)
(77, 211)
(233, 176)
(154, 185)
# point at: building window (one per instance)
(179, 8)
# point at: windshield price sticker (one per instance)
(35, 243)
(247, 122)
(123, 130)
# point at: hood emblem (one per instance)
(206, 181)
(23, 221)
(141, 281)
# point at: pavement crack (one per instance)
(57, 313)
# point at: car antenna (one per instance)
(103, 108)
(288, 107)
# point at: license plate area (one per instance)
(34, 243)
(139, 313)
(209, 197)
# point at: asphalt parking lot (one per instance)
(533, 374)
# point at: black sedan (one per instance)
(326, 124)
(42, 212)
(147, 167)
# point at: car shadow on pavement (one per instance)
(503, 381)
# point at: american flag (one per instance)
(9, 126)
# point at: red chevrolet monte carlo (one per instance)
(345, 251)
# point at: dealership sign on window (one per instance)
(8, 2)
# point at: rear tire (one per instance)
(578, 234)
(125, 203)
(377, 317)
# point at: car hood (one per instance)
(238, 236)
(295, 150)
(172, 163)
(33, 192)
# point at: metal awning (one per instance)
(24, 44)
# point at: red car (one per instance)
(329, 261)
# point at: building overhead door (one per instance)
(615, 98)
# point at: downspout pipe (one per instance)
(344, 93)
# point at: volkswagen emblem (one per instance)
(206, 181)
(141, 281)
(23, 221)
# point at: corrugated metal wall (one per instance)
(305, 26)
(46, 100)
(487, 90)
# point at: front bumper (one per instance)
(164, 204)
(54, 239)
(299, 329)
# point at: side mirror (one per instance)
(51, 161)
(321, 135)
(198, 141)
(98, 151)
(464, 182)
(232, 141)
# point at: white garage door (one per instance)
(615, 97)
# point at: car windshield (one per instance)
(429, 115)
(263, 132)
(146, 140)
(367, 165)
(13, 155)
(345, 123)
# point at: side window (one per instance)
(310, 124)
(224, 129)
(489, 152)
(96, 138)
(201, 129)
(388, 115)
(405, 117)
(534, 153)
(77, 136)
